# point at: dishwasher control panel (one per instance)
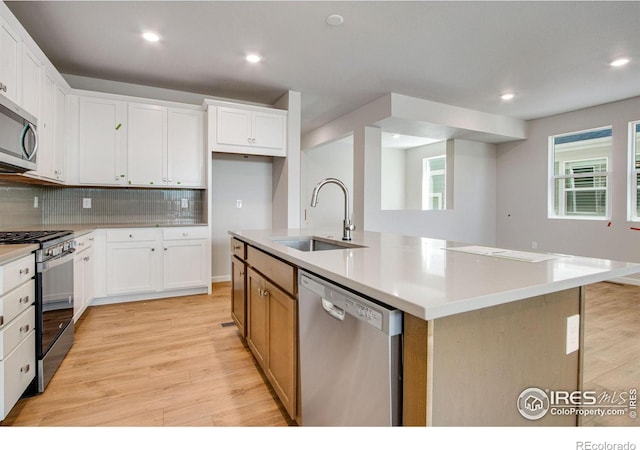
(363, 312)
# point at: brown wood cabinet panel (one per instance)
(280, 272)
(239, 248)
(282, 346)
(239, 294)
(257, 311)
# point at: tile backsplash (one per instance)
(65, 205)
(17, 205)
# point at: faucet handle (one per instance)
(349, 226)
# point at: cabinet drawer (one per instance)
(84, 241)
(16, 372)
(16, 301)
(132, 235)
(16, 272)
(239, 248)
(281, 273)
(16, 331)
(185, 233)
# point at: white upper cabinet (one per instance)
(31, 68)
(9, 43)
(165, 146)
(102, 141)
(248, 130)
(185, 148)
(147, 145)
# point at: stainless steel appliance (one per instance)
(54, 297)
(18, 138)
(350, 357)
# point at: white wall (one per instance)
(471, 220)
(393, 185)
(235, 177)
(522, 189)
(333, 160)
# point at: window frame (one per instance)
(427, 175)
(633, 172)
(553, 178)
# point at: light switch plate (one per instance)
(573, 333)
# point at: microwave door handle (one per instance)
(26, 129)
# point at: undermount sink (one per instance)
(314, 244)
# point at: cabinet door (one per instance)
(147, 144)
(185, 152)
(238, 294)
(102, 138)
(78, 286)
(132, 267)
(184, 264)
(257, 318)
(8, 61)
(233, 126)
(30, 81)
(268, 130)
(46, 128)
(59, 124)
(282, 334)
(89, 277)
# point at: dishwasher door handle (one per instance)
(332, 310)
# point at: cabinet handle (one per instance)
(1, 320)
(24, 300)
(263, 292)
(86, 258)
(80, 244)
(165, 249)
(185, 234)
(253, 140)
(153, 249)
(3, 87)
(24, 271)
(237, 247)
(241, 274)
(24, 328)
(25, 368)
(249, 140)
(117, 178)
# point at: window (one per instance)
(433, 182)
(634, 179)
(579, 168)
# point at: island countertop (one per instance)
(431, 278)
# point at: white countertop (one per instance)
(419, 276)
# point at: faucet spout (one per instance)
(348, 225)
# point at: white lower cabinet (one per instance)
(147, 260)
(83, 275)
(17, 336)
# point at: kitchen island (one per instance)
(481, 325)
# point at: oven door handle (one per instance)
(43, 266)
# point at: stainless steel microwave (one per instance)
(18, 138)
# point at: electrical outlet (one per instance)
(86, 203)
(184, 203)
(35, 202)
(573, 333)
(238, 204)
(534, 245)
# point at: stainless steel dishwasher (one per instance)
(350, 357)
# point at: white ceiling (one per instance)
(555, 55)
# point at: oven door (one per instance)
(55, 301)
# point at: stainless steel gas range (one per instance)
(54, 297)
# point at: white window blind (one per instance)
(580, 174)
(634, 165)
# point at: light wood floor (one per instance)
(164, 362)
(170, 363)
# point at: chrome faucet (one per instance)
(348, 226)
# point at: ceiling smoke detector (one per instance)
(335, 19)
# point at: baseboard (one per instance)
(221, 278)
(626, 280)
(148, 296)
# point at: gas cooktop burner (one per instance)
(29, 237)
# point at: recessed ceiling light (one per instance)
(335, 19)
(620, 62)
(253, 58)
(151, 37)
(508, 96)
